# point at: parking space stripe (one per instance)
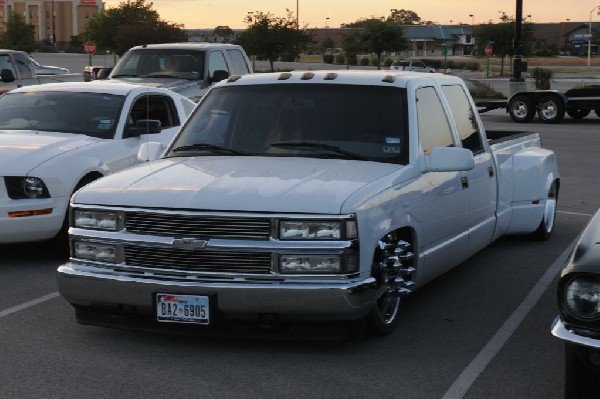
(575, 213)
(29, 304)
(466, 379)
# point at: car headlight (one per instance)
(582, 297)
(96, 252)
(317, 264)
(26, 187)
(316, 230)
(95, 220)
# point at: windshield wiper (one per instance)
(211, 147)
(125, 75)
(332, 148)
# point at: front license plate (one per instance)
(172, 308)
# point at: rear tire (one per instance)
(521, 109)
(551, 109)
(546, 227)
(578, 113)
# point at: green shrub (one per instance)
(387, 62)
(328, 58)
(541, 78)
(340, 59)
(364, 61)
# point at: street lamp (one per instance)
(590, 37)
(326, 27)
(472, 19)
(54, 27)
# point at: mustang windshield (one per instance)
(308, 120)
(91, 114)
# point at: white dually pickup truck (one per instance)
(304, 196)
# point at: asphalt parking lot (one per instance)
(481, 330)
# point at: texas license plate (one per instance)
(172, 308)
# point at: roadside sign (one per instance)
(90, 48)
(488, 50)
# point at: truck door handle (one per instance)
(490, 171)
(465, 182)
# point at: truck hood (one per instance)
(175, 85)
(254, 184)
(22, 151)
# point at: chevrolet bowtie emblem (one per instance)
(189, 244)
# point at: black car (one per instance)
(579, 321)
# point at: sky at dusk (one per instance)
(207, 14)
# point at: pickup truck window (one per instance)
(434, 130)
(156, 107)
(464, 117)
(238, 62)
(306, 120)
(23, 65)
(216, 62)
(183, 64)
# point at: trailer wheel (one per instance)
(597, 111)
(521, 109)
(578, 113)
(551, 109)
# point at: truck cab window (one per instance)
(464, 117)
(434, 130)
(216, 62)
(23, 65)
(239, 66)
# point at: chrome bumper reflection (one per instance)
(559, 330)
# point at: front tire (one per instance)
(393, 270)
(551, 109)
(580, 381)
(521, 109)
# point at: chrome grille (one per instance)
(197, 226)
(201, 261)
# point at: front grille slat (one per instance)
(197, 226)
(198, 261)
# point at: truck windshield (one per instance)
(306, 120)
(161, 63)
(90, 114)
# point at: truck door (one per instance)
(481, 180)
(26, 71)
(444, 203)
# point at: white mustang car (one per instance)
(57, 137)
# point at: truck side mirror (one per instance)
(219, 75)
(450, 159)
(7, 75)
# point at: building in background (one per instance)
(55, 21)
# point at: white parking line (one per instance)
(466, 379)
(29, 304)
(575, 213)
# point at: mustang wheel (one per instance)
(551, 110)
(521, 109)
(394, 272)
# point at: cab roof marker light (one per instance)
(233, 78)
(389, 79)
(331, 76)
(284, 76)
(307, 76)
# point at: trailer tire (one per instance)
(551, 109)
(578, 113)
(521, 109)
(597, 111)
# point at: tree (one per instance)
(131, 24)
(19, 35)
(378, 35)
(224, 32)
(272, 38)
(352, 46)
(502, 35)
(404, 17)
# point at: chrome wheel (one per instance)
(552, 109)
(521, 109)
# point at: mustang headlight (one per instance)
(95, 252)
(95, 220)
(26, 187)
(582, 297)
(316, 230)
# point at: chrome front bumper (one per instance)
(559, 330)
(246, 298)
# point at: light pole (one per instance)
(54, 27)
(590, 38)
(326, 33)
(472, 19)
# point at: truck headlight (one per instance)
(95, 220)
(308, 264)
(582, 296)
(316, 230)
(96, 252)
(26, 187)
